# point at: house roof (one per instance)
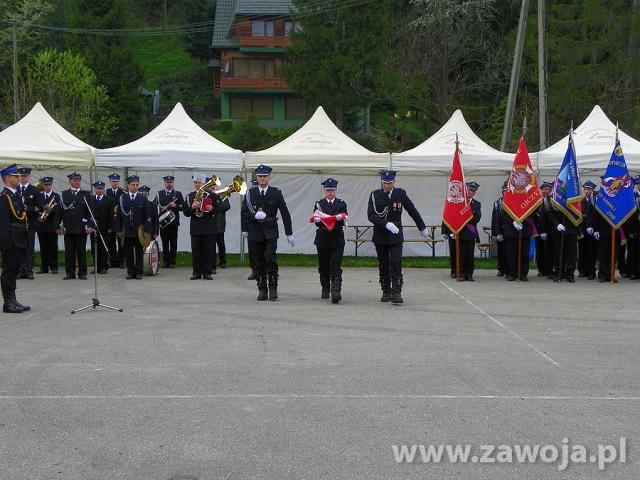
(228, 10)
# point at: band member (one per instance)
(385, 212)
(512, 231)
(330, 242)
(587, 245)
(259, 211)
(13, 239)
(221, 226)
(155, 220)
(48, 222)
(134, 211)
(496, 231)
(103, 212)
(244, 226)
(170, 200)
(116, 252)
(202, 208)
(468, 237)
(31, 200)
(75, 225)
(546, 239)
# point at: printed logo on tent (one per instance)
(174, 137)
(318, 140)
(597, 136)
(450, 139)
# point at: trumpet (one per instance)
(215, 181)
(52, 204)
(237, 185)
(162, 209)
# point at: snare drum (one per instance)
(166, 218)
(151, 259)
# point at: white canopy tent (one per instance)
(38, 140)
(594, 140)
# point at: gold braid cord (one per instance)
(22, 217)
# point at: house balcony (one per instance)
(263, 42)
(253, 83)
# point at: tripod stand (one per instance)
(95, 303)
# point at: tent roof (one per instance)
(37, 139)
(319, 146)
(594, 140)
(178, 142)
(435, 154)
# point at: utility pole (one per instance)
(542, 73)
(515, 75)
(15, 71)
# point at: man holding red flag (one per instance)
(521, 199)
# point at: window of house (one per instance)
(295, 108)
(262, 28)
(254, 67)
(290, 25)
(242, 107)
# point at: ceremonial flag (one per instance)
(615, 200)
(457, 211)
(522, 196)
(567, 191)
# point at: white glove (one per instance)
(561, 227)
(445, 237)
(392, 228)
(452, 236)
(500, 238)
(517, 226)
(317, 219)
(339, 217)
(260, 215)
(245, 234)
(424, 233)
(291, 241)
(543, 236)
(596, 235)
(590, 231)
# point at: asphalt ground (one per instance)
(198, 380)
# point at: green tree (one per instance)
(198, 44)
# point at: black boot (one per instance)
(385, 283)
(252, 276)
(9, 306)
(261, 281)
(25, 308)
(336, 287)
(326, 287)
(273, 285)
(396, 289)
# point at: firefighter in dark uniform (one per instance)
(202, 228)
(244, 227)
(546, 238)
(259, 211)
(511, 231)
(330, 243)
(172, 200)
(103, 212)
(48, 226)
(134, 210)
(116, 252)
(13, 239)
(31, 200)
(565, 245)
(155, 218)
(385, 212)
(632, 230)
(496, 232)
(587, 245)
(468, 237)
(221, 226)
(75, 225)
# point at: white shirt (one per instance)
(99, 198)
(263, 191)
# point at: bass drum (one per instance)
(166, 218)
(151, 259)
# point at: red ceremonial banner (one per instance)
(522, 195)
(457, 212)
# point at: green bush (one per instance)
(224, 126)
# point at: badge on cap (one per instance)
(169, 178)
(114, 177)
(24, 171)
(74, 176)
(330, 184)
(198, 177)
(546, 185)
(388, 176)
(144, 189)
(98, 184)
(133, 178)
(46, 180)
(473, 185)
(9, 170)
(263, 170)
(589, 184)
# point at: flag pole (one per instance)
(560, 268)
(458, 234)
(612, 274)
(519, 272)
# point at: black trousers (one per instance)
(12, 259)
(330, 261)
(452, 255)
(633, 256)
(101, 258)
(29, 254)
(222, 249)
(264, 256)
(133, 253)
(389, 262)
(467, 259)
(75, 249)
(169, 237)
(621, 252)
(544, 255)
(203, 251)
(587, 255)
(501, 252)
(604, 255)
(511, 245)
(48, 250)
(569, 249)
(116, 249)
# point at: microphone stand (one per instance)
(94, 301)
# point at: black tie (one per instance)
(262, 193)
(74, 192)
(133, 197)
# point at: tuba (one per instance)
(200, 194)
(52, 204)
(237, 185)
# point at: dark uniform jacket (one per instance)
(133, 214)
(114, 195)
(33, 204)
(509, 231)
(103, 211)
(221, 217)
(383, 209)
(588, 209)
(543, 217)
(556, 217)
(50, 225)
(165, 199)
(270, 204)
(155, 217)
(334, 238)
(13, 231)
(206, 224)
(74, 214)
(496, 218)
(468, 233)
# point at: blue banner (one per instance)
(615, 200)
(567, 191)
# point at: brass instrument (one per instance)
(144, 237)
(52, 204)
(237, 185)
(215, 181)
(162, 209)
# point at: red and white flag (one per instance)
(522, 196)
(457, 212)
